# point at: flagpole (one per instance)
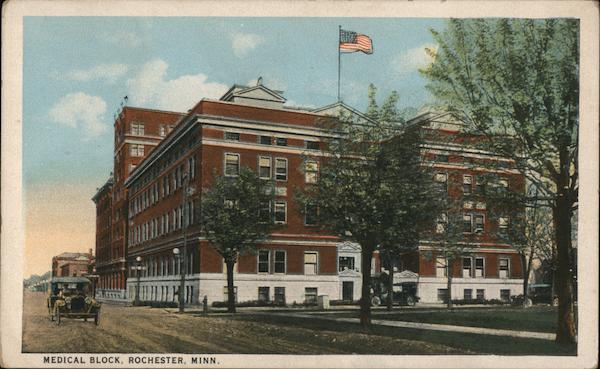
(339, 60)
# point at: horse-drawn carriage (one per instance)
(70, 298)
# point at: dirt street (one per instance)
(142, 329)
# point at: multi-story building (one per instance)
(136, 132)
(489, 267)
(249, 127)
(164, 161)
(72, 264)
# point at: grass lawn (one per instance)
(462, 342)
(535, 319)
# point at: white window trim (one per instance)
(286, 169)
(284, 261)
(507, 266)
(473, 225)
(270, 166)
(306, 212)
(475, 270)
(306, 172)
(316, 264)
(225, 164)
(268, 261)
(275, 211)
(471, 269)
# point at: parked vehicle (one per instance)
(542, 294)
(70, 298)
(403, 293)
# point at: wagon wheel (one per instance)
(97, 318)
(57, 316)
(375, 301)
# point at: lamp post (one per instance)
(138, 269)
(178, 257)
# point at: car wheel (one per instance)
(410, 301)
(555, 301)
(375, 301)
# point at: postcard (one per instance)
(278, 184)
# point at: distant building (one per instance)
(72, 264)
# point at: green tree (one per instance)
(236, 218)
(515, 82)
(363, 191)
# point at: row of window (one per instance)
(472, 223)
(162, 293)
(442, 294)
(168, 222)
(165, 266)
(268, 140)
(266, 170)
(472, 267)
(138, 129)
(480, 184)
(161, 189)
(276, 262)
(444, 158)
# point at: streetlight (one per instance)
(138, 269)
(182, 280)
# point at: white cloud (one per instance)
(121, 38)
(151, 88)
(243, 43)
(81, 110)
(413, 59)
(108, 72)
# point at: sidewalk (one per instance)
(437, 327)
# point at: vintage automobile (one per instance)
(70, 298)
(404, 293)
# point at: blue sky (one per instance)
(77, 69)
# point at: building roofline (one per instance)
(109, 182)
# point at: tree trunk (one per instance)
(564, 284)
(390, 283)
(450, 268)
(230, 288)
(365, 299)
(525, 267)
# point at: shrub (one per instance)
(478, 302)
(251, 303)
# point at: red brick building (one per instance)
(136, 132)
(72, 264)
(248, 127)
(490, 267)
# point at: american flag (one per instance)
(352, 42)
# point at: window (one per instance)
(232, 136)
(467, 267)
(280, 208)
(280, 295)
(441, 223)
(279, 261)
(468, 294)
(345, 262)
(479, 222)
(137, 129)
(467, 182)
(503, 226)
(280, 141)
(311, 214)
(441, 182)
(264, 214)
(440, 267)
(263, 261)
(312, 145)
(263, 294)
(162, 131)
(311, 170)
(310, 295)
(131, 167)
(136, 150)
(281, 169)
(504, 268)
(442, 295)
(480, 294)
(479, 267)
(264, 167)
(503, 185)
(232, 165)
(467, 223)
(310, 262)
(441, 158)
(505, 295)
(480, 185)
(265, 140)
